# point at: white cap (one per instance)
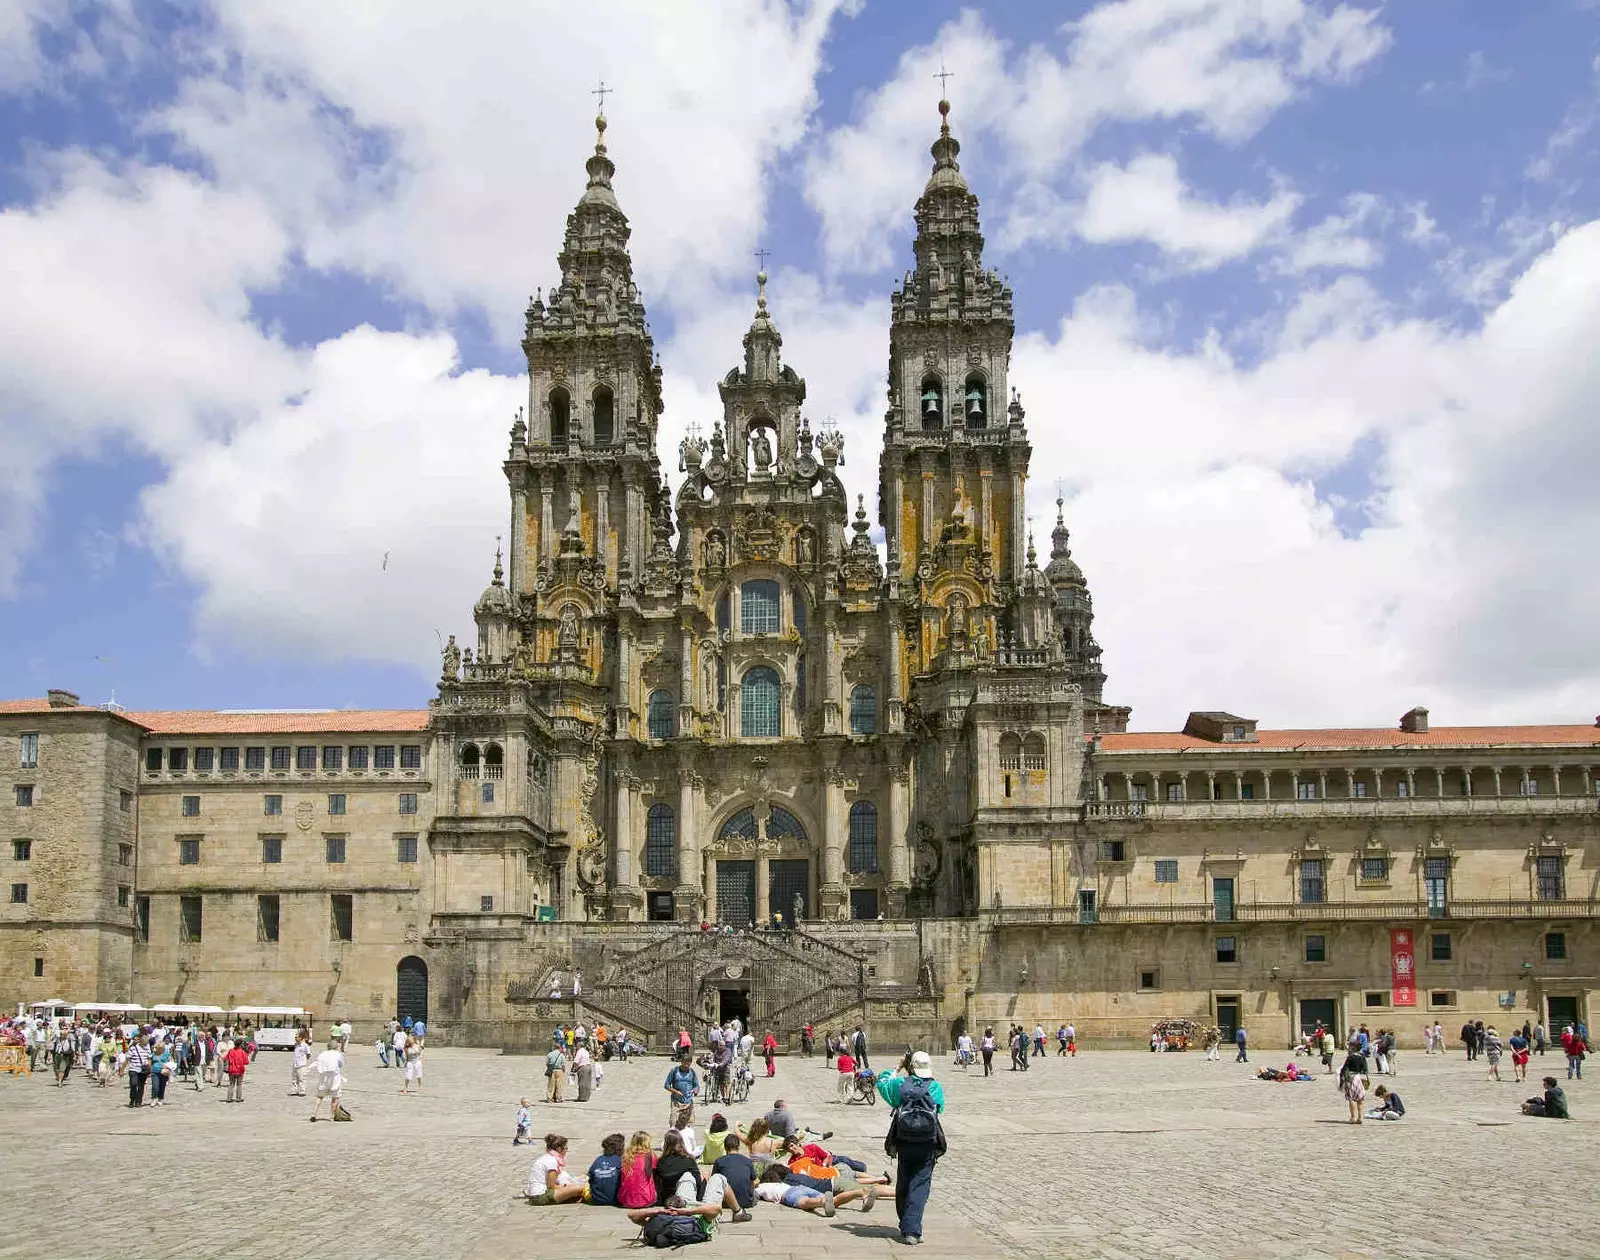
(921, 1064)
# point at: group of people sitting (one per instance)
(687, 1181)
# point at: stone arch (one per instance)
(931, 402)
(605, 410)
(560, 414)
(411, 988)
(975, 401)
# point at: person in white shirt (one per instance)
(330, 1078)
(297, 1067)
(344, 1035)
(964, 1049)
(398, 1044)
(583, 1069)
(747, 1046)
(577, 984)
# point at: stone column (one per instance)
(1411, 783)
(602, 522)
(1019, 528)
(1238, 786)
(734, 707)
(1322, 785)
(546, 525)
(633, 511)
(986, 508)
(690, 892)
(686, 675)
(1496, 770)
(1266, 785)
(709, 883)
(519, 537)
(763, 890)
(1211, 785)
(927, 510)
(899, 844)
(832, 682)
(832, 890)
(623, 813)
(1438, 775)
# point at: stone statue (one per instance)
(466, 659)
(708, 668)
(799, 909)
(804, 547)
(452, 660)
(569, 625)
(521, 657)
(716, 553)
(761, 450)
(574, 520)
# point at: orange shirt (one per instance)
(809, 1167)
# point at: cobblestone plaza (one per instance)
(1113, 1154)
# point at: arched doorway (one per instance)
(411, 988)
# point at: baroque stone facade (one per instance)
(724, 704)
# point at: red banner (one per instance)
(1403, 967)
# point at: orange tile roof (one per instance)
(1357, 738)
(332, 721)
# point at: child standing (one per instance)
(524, 1124)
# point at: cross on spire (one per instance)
(763, 255)
(942, 76)
(602, 92)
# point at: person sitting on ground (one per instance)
(1552, 1106)
(758, 1142)
(605, 1174)
(736, 1168)
(774, 1189)
(638, 1173)
(548, 1180)
(780, 1120)
(1389, 1105)
(716, 1135)
(685, 1131)
(677, 1175)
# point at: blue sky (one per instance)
(1306, 294)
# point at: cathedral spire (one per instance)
(763, 342)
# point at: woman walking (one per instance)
(769, 1052)
(413, 1066)
(583, 1069)
(1492, 1049)
(986, 1048)
(161, 1068)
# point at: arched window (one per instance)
(494, 762)
(1010, 752)
(932, 403)
(864, 838)
(604, 412)
(1033, 752)
(864, 710)
(660, 841)
(759, 700)
(758, 607)
(663, 715)
(560, 413)
(741, 825)
(977, 410)
(470, 761)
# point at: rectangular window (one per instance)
(124, 854)
(408, 802)
(272, 849)
(335, 848)
(1113, 850)
(1087, 910)
(358, 757)
(1376, 999)
(758, 607)
(280, 757)
(191, 807)
(141, 919)
(405, 848)
(28, 749)
(1530, 787)
(383, 757)
(267, 917)
(333, 757)
(1442, 998)
(488, 794)
(188, 850)
(344, 916)
(255, 758)
(1227, 949)
(1552, 887)
(305, 757)
(1174, 791)
(1149, 980)
(336, 803)
(125, 800)
(228, 760)
(177, 759)
(1312, 885)
(24, 795)
(1402, 789)
(123, 894)
(19, 894)
(1139, 792)
(1439, 947)
(152, 759)
(486, 904)
(204, 758)
(1167, 871)
(1222, 898)
(21, 850)
(1436, 885)
(1358, 790)
(272, 805)
(1374, 870)
(191, 918)
(1555, 946)
(1316, 949)
(38, 968)
(411, 756)
(1306, 791)
(1247, 791)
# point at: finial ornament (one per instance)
(761, 279)
(944, 88)
(602, 92)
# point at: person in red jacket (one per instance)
(769, 1051)
(234, 1064)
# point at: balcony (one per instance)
(1341, 807)
(1294, 911)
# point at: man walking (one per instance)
(330, 1078)
(916, 1138)
(234, 1064)
(138, 1070)
(859, 1045)
(1240, 1040)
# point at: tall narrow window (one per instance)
(758, 607)
(335, 849)
(1436, 885)
(663, 715)
(305, 757)
(344, 915)
(864, 838)
(336, 803)
(141, 919)
(977, 410)
(1313, 886)
(267, 917)
(28, 747)
(604, 409)
(1551, 884)
(191, 918)
(863, 710)
(932, 403)
(759, 703)
(661, 842)
(560, 414)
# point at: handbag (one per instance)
(166, 1068)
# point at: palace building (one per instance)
(895, 772)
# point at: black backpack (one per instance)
(669, 1230)
(916, 1119)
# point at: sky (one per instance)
(1307, 301)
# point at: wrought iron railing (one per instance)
(1278, 911)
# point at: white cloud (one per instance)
(1342, 241)
(1224, 66)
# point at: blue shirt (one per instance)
(681, 1081)
(605, 1179)
(420, 1028)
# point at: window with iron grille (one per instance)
(760, 699)
(336, 803)
(1374, 870)
(228, 759)
(758, 607)
(661, 842)
(191, 807)
(177, 759)
(333, 757)
(1227, 949)
(1167, 870)
(204, 758)
(360, 755)
(408, 802)
(305, 757)
(124, 854)
(255, 758)
(405, 848)
(1439, 947)
(864, 838)
(188, 850)
(383, 757)
(335, 849)
(1313, 887)
(19, 894)
(24, 794)
(280, 757)
(1555, 946)
(272, 805)
(864, 710)
(21, 850)
(1552, 886)
(663, 715)
(1316, 949)
(272, 849)
(411, 756)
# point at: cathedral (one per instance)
(890, 779)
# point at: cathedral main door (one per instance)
(789, 888)
(736, 893)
